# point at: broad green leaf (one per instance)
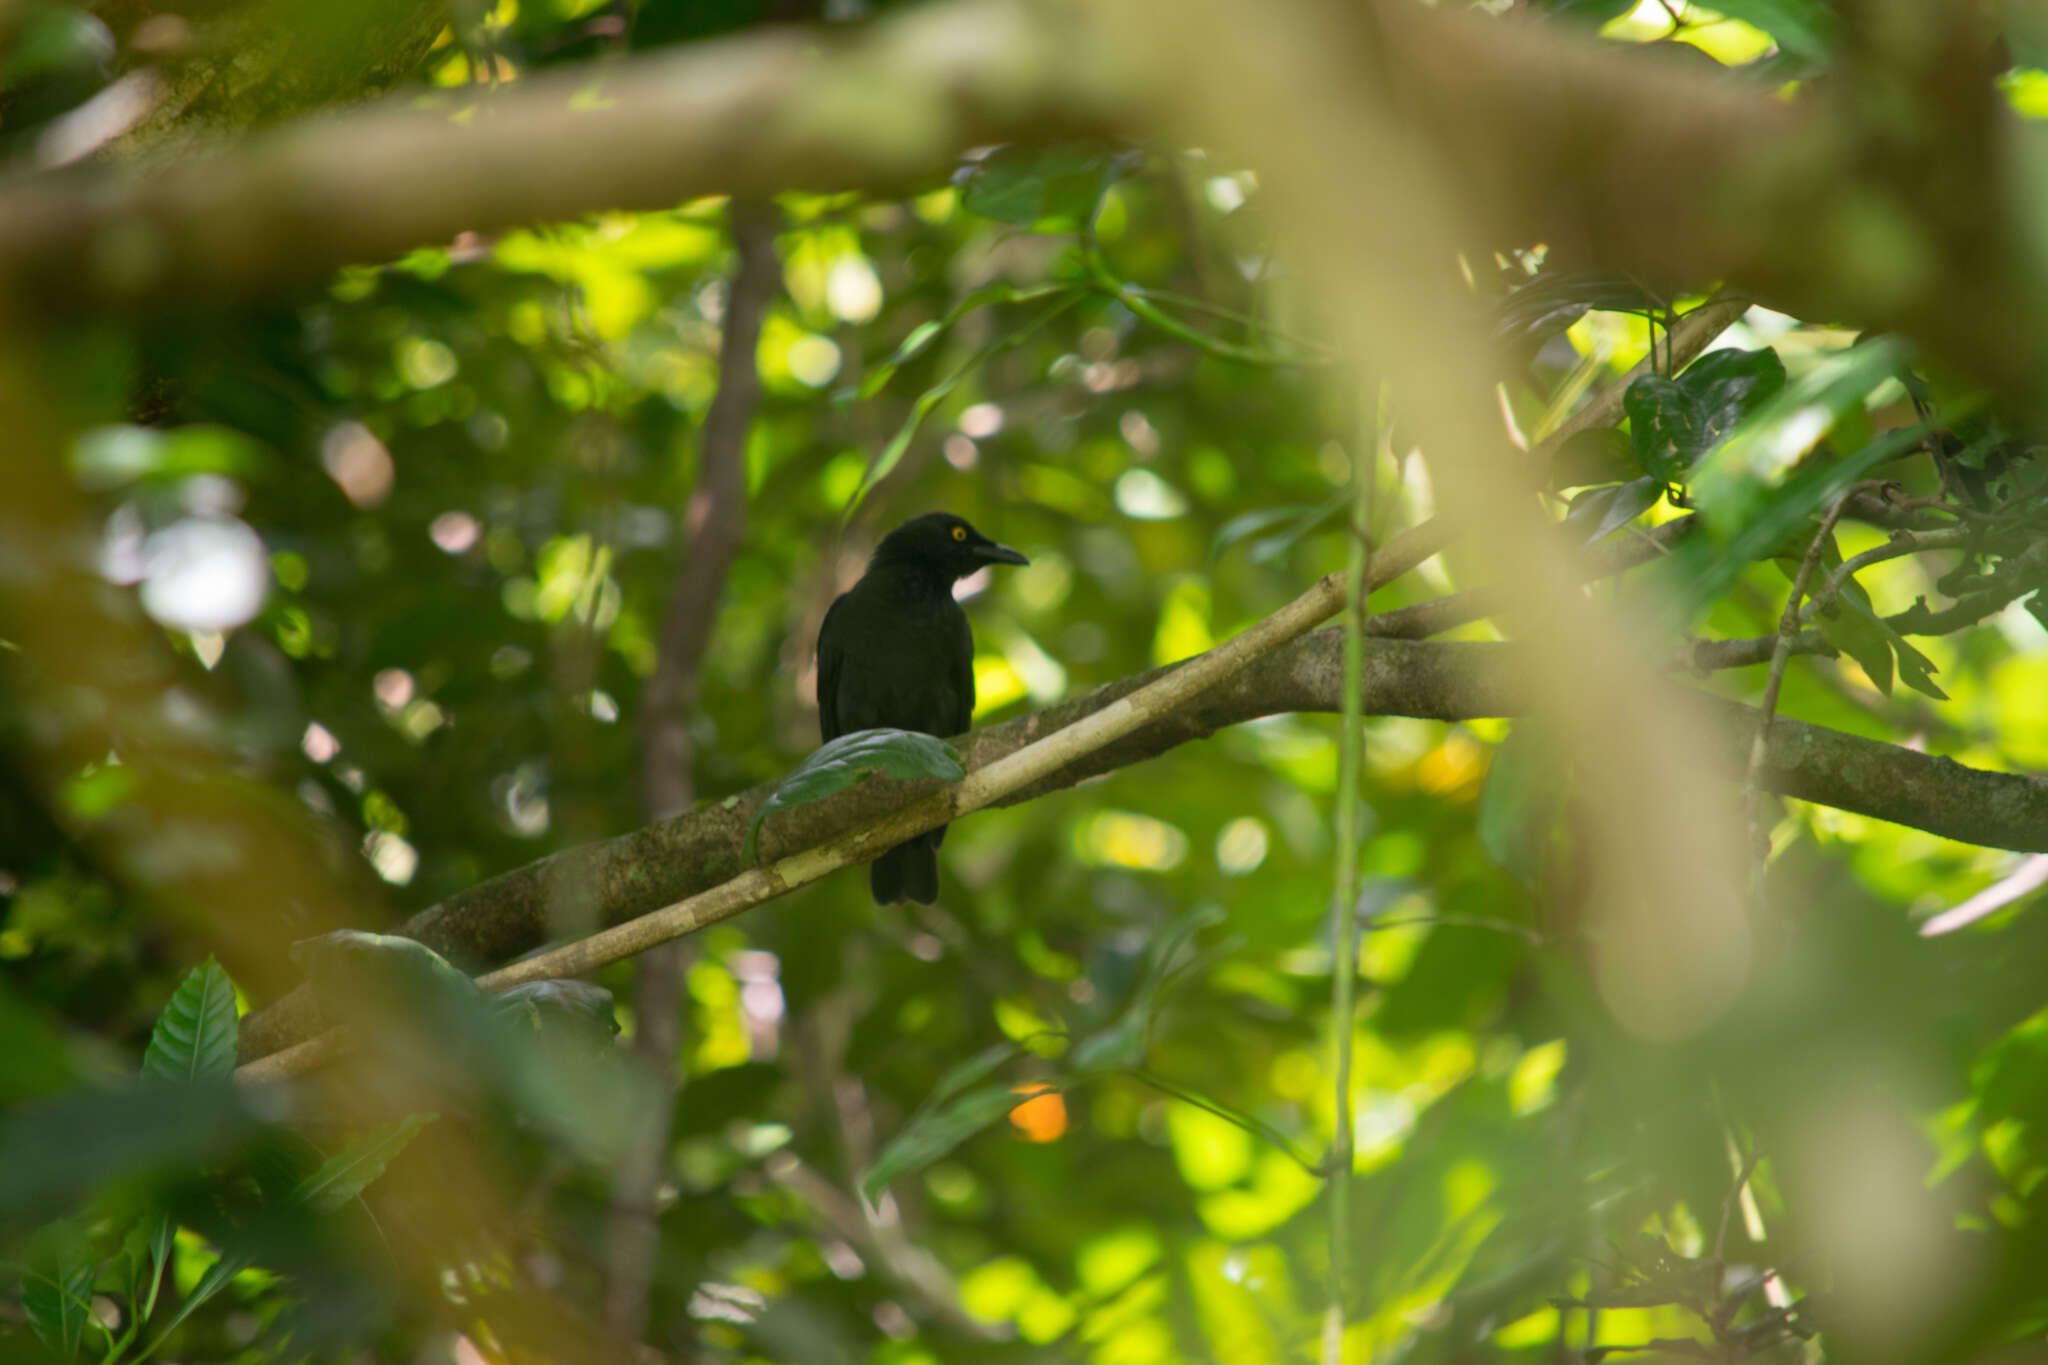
(1916, 670)
(349, 1172)
(833, 767)
(1589, 508)
(1676, 422)
(195, 1035)
(56, 1290)
(1728, 385)
(1518, 805)
(1052, 189)
(931, 1134)
(1630, 501)
(1664, 425)
(1748, 471)
(1859, 635)
(1555, 299)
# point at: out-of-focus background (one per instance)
(436, 433)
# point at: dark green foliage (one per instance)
(838, 764)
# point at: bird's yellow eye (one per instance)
(959, 533)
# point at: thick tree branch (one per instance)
(649, 867)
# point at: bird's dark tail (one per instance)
(909, 871)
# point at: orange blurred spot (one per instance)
(1043, 1117)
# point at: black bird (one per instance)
(895, 650)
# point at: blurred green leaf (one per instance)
(932, 1133)
(349, 1172)
(833, 767)
(1674, 423)
(56, 1291)
(106, 458)
(1805, 28)
(1052, 188)
(195, 1036)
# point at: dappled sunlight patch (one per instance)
(1126, 839)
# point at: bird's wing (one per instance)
(960, 657)
(830, 652)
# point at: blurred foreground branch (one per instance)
(1618, 157)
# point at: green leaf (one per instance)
(1525, 787)
(1728, 385)
(1555, 299)
(1299, 521)
(962, 1075)
(1804, 28)
(218, 1276)
(922, 407)
(1051, 189)
(1664, 426)
(56, 1290)
(1121, 1046)
(1863, 638)
(1630, 501)
(349, 1172)
(933, 1133)
(1916, 670)
(833, 767)
(1748, 471)
(195, 1035)
(1674, 423)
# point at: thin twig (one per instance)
(1344, 931)
(1781, 654)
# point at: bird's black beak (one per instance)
(992, 553)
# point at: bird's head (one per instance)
(944, 542)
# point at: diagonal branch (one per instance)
(640, 871)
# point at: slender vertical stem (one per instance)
(1344, 908)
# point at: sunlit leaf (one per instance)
(1805, 28)
(835, 766)
(195, 1035)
